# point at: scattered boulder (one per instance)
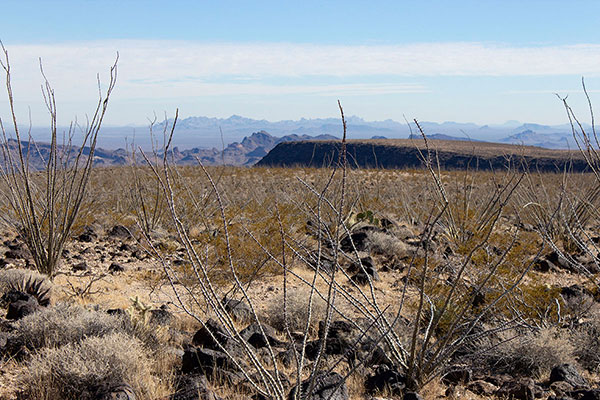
(412, 396)
(386, 379)
(573, 291)
(80, 267)
(119, 232)
(16, 250)
(206, 361)
(193, 387)
(126, 247)
(115, 267)
(593, 394)
(312, 349)
(287, 357)
(20, 304)
(345, 338)
(456, 376)
(239, 310)
(88, 235)
(568, 373)
(20, 254)
(340, 336)
(161, 316)
(327, 385)
(364, 273)
(518, 389)
(544, 265)
(211, 335)
(324, 262)
(560, 261)
(360, 239)
(118, 312)
(253, 335)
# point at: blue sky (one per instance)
(469, 61)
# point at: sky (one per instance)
(482, 61)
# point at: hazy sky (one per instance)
(468, 61)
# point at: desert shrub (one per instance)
(382, 243)
(538, 303)
(64, 323)
(79, 370)
(70, 323)
(535, 353)
(586, 340)
(27, 281)
(297, 312)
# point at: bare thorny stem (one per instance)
(46, 204)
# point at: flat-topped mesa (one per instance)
(407, 153)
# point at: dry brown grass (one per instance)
(251, 197)
(534, 354)
(297, 311)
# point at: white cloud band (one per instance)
(174, 69)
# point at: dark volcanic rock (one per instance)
(573, 291)
(161, 316)
(20, 304)
(252, 334)
(193, 387)
(412, 396)
(364, 273)
(568, 373)
(456, 376)
(360, 240)
(593, 394)
(345, 338)
(519, 389)
(327, 386)
(120, 232)
(239, 310)
(211, 336)
(386, 379)
(88, 235)
(115, 267)
(79, 267)
(206, 361)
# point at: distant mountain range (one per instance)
(205, 132)
(247, 152)
(441, 136)
(229, 138)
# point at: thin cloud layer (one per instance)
(167, 63)
(163, 73)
